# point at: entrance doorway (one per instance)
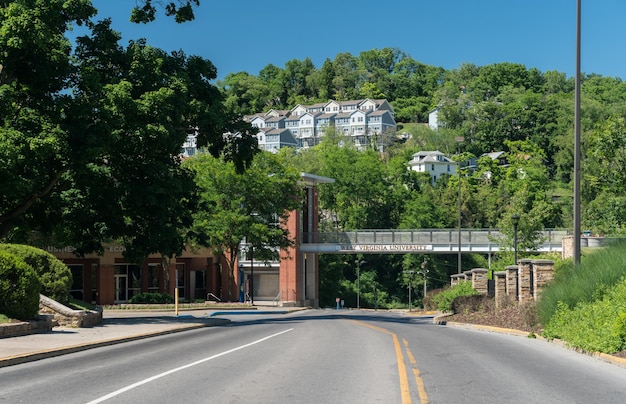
(121, 288)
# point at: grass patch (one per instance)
(583, 284)
(4, 319)
(598, 326)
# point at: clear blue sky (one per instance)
(247, 35)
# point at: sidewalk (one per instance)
(117, 326)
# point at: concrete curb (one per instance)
(50, 353)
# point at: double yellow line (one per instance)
(404, 379)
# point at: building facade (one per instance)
(109, 279)
(435, 163)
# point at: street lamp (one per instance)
(458, 141)
(411, 273)
(242, 297)
(424, 272)
(251, 275)
(358, 262)
(577, 147)
(515, 220)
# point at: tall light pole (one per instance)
(576, 229)
(358, 262)
(458, 141)
(424, 272)
(411, 273)
(515, 220)
(251, 275)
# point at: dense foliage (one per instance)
(595, 326)
(152, 298)
(573, 285)
(19, 288)
(91, 131)
(54, 276)
(443, 300)
(501, 107)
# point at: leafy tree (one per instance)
(102, 130)
(253, 205)
(182, 10)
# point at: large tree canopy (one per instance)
(91, 135)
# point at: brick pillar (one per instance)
(500, 287)
(525, 276)
(479, 280)
(511, 282)
(106, 280)
(543, 273)
(456, 278)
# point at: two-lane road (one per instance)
(320, 356)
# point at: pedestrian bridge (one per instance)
(425, 241)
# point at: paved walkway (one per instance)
(117, 326)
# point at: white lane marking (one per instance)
(169, 372)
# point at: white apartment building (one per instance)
(359, 120)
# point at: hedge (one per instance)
(55, 277)
(19, 288)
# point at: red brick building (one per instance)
(109, 279)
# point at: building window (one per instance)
(153, 277)
(432, 167)
(78, 282)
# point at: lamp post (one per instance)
(515, 220)
(251, 275)
(242, 296)
(576, 235)
(458, 141)
(410, 279)
(358, 262)
(424, 272)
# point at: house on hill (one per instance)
(435, 163)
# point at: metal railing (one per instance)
(471, 239)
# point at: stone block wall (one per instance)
(525, 279)
(543, 273)
(479, 280)
(511, 281)
(500, 287)
(521, 282)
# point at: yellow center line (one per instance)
(416, 373)
(404, 379)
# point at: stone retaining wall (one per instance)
(66, 317)
(521, 283)
(44, 324)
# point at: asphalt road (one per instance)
(320, 357)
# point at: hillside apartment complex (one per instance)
(304, 126)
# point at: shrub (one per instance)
(55, 277)
(583, 283)
(19, 288)
(152, 298)
(598, 326)
(443, 300)
(472, 304)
